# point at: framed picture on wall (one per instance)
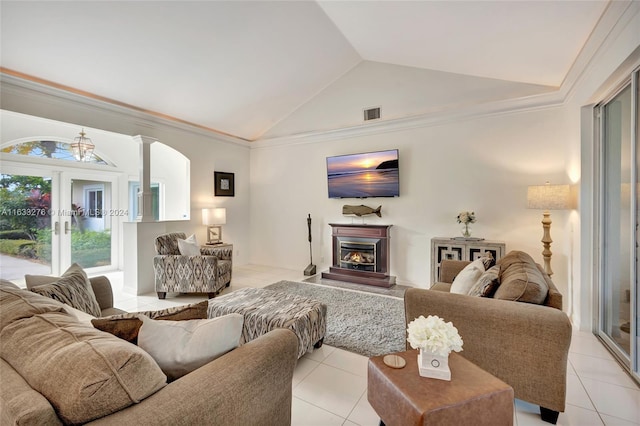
(224, 184)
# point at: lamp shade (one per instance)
(216, 216)
(549, 197)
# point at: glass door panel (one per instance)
(90, 222)
(618, 224)
(26, 222)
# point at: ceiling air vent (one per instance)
(371, 114)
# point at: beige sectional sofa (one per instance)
(57, 370)
(524, 344)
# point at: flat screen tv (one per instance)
(370, 174)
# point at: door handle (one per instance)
(66, 227)
(56, 228)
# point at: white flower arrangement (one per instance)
(434, 335)
(466, 217)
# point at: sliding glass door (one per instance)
(617, 322)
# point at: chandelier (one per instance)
(82, 147)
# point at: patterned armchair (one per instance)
(208, 273)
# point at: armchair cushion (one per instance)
(167, 244)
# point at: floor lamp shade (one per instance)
(214, 218)
(548, 197)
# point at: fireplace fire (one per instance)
(361, 255)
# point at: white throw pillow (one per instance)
(467, 278)
(180, 347)
(81, 316)
(189, 247)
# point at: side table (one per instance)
(472, 397)
(461, 249)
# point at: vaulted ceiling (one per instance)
(245, 67)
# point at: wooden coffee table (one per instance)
(472, 397)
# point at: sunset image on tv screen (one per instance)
(372, 174)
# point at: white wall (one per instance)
(483, 164)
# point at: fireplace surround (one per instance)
(360, 254)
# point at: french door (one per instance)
(618, 296)
(62, 216)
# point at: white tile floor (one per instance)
(330, 384)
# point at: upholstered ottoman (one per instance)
(472, 397)
(265, 310)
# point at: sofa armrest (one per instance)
(250, 385)
(103, 291)
(450, 268)
(524, 345)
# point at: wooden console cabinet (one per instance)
(360, 254)
(458, 249)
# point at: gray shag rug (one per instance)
(363, 323)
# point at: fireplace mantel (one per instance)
(360, 254)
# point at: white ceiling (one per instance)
(241, 67)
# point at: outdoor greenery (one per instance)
(25, 224)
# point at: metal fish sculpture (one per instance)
(361, 210)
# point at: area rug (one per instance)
(363, 323)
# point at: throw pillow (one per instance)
(81, 316)
(127, 326)
(521, 280)
(487, 283)
(189, 247)
(463, 282)
(180, 347)
(72, 288)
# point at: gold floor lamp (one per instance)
(548, 197)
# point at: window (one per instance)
(93, 200)
(48, 149)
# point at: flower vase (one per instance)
(465, 231)
(433, 365)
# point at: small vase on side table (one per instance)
(433, 365)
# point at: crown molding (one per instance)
(511, 106)
(613, 21)
(12, 82)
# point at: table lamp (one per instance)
(214, 218)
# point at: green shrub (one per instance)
(14, 234)
(24, 248)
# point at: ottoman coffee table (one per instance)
(265, 310)
(401, 397)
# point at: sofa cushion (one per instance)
(520, 279)
(20, 404)
(72, 288)
(7, 284)
(179, 347)
(126, 326)
(83, 372)
(19, 303)
(487, 283)
(463, 282)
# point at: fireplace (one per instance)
(360, 254)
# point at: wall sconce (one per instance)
(214, 218)
(548, 197)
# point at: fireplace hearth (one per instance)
(360, 254)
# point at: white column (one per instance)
(145, 196)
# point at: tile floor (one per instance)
(329, 384)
